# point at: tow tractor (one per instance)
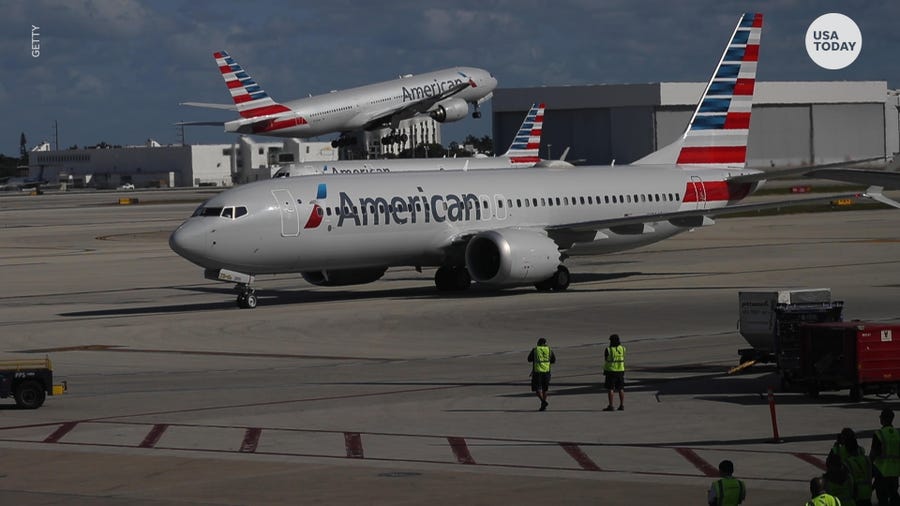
(29, 382)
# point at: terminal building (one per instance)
(793, 123)
(157, 166)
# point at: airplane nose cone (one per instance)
(189, 241)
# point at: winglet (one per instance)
(524, 150)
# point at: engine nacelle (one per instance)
(342, 277)
(511, 257)
(452, 109)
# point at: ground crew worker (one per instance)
(885, 455)
(857, 463)
(614, 371)
(838, 481)
(819, 496)
(727, 490)
(541, 357)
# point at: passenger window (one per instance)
(549, 202)
(328, 211)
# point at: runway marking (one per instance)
(811, 460)
(251, 440)
(692, 457)
(583, 460)
(60, 432)
(460, 450)
(353, 442)
(121, 349)
(353, 448)
(153, 436)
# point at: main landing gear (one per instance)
(246, 298)
(558, 282)
(452, 278)
(394, 138)
(343, 141)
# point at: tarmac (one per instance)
(394, 393)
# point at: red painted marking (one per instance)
(541, 105)
(153, 436)
(251, 439)
(217, 55)
(354, 445)
(234, 84)
(737, 120)
(751, 53)
(816, 461)
(263, 111)
(225, 69)
(744, 87)
(757, 21)
(713, 154)
(239, 99)
(315, 217)
(536, 132)
(524, 159)
(704, 466)
(60, 432)
(279, 124)
(583, 460)
(461, 450)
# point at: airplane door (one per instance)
(500, 206)
(700, 191)
(290, 219)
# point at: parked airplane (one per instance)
(500, 227)
(21, 183)
(523, 152)
(444, 95)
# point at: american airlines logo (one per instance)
(429, 90)
(410, 209)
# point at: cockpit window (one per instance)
(230, 212)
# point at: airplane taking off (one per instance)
(444, 95)
(523, 152)
(503, 227)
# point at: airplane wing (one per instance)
(226, 107)
(700, 217)
(394, 115)
(200, 123)
(823, 171)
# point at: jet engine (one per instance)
(450, 110)
(341, 277)
(511, 257)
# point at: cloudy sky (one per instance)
(115, 70)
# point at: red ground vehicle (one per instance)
(861, 356)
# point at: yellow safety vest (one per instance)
(823, 499)
(888, 463)
(842, 491)
(541, 359)
(861, 471)
(615, 359)
(729, 491)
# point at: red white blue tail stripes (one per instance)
(251, 100)
(524, 150)
(717, 135)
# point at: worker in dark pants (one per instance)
(541, 357)
(885, 455)
(614, 371)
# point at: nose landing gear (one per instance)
(246, 299)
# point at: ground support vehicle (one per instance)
(28, 381)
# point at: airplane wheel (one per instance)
(461, 279)
(560, 279)
(250, 301)
(544, 286)
(443, 279)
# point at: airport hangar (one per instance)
(793, 123)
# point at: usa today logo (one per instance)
(833, 41)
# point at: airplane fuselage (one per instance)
(355, 108)
(311, 223)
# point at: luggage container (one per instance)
(863, 357)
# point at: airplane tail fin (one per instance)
(718, 131)
(523, 152)
(249, 98)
